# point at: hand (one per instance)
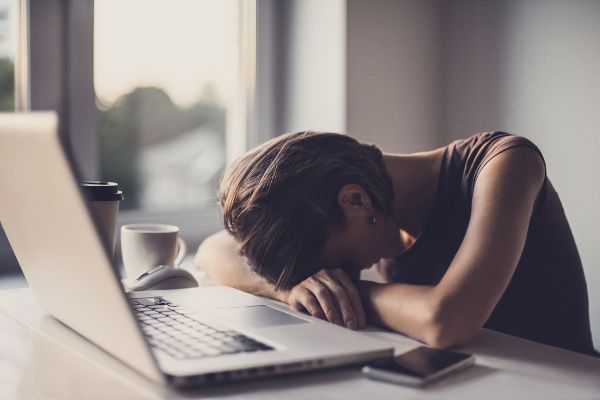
(330, 295)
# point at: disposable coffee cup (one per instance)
(104, 197)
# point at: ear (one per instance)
(354, 201)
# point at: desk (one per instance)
(40, 358)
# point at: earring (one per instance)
(372, 220)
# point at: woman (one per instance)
(466, 236)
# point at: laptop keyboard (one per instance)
(169, 329)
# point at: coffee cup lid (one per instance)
(102, 191)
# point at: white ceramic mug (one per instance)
(144, 246)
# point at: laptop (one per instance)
(179, 337)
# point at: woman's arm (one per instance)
(329, 295)
(219, 258)
(451, 312)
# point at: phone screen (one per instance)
(422, 362)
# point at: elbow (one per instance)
(201, 258)
(443, 331)
(198, 259)
(441, 338)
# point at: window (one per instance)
(170, 100)
(171, 105)
(166, 81)
(8, 47)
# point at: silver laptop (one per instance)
(182, 337)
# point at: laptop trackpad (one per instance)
(257, 316)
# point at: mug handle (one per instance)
(181, 252)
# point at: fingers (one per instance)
(354, 297)
(303, 300)
(330, 295)
(341, 297)
(326, 300)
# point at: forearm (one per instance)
(409, 309)
(241, 277)
(217, 256)
(400, 307)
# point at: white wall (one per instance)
(314, 81)
(553, 97)
(421, 74)
(393, 52)
(472, 39)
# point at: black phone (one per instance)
(418, 366)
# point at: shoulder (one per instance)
(480, 147)
(494, 150)
(512, 155)
(519, 170)
(511, 181)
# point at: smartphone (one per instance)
(418, 366)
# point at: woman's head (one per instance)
(285, 200)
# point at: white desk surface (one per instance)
(42, 359)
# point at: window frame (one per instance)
(77, 19)
(54, 71)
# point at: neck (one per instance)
(414, 178)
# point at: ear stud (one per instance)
(372, 220)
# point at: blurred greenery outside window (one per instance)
(7, 100)
(7, 47)
(144, 121)
(7, 85)
(162, 97)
